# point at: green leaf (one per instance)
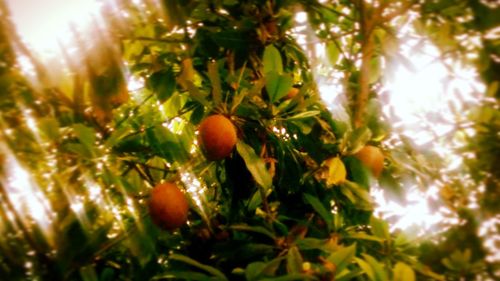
(309, 243)
(320, 209)
(332, 52)
(291, 277)
(458, 260)
(86, 135)
(358, 172)
(88, 273)
(209, 269)
(358, 138)
(197, 114)
(49, 127)
(108, 274)
(426, 271)
(357, 195)
(366, 268)
(167, 144)
(255, 201)
(256, 229)
(232, 39)
(272, 60)
(344, 189)
(380, 228)
(255, 165)
(364, 236)
(141, 246)
(280, 228)
(185, 275)
(257, 270)
(79, 149)
(393, 188)
(304, 127)
(377, 268)
(348, 275)
(254, 270)
(343, 257)
(117, 135)
(247, 251)
(304, 115)
(196, 94)
(403, 272)
(278, 85)
(163, 84)
(294, 260)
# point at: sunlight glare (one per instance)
(46, 25)
(26, 196)
(426, 93)
(418, 91)
(427, 97)
(422, 97)
(196, 191)
(416, 212)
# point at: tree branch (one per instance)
(367, 48)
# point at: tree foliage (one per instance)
(292, 201)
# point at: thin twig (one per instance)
(143, 174)
(130, 162)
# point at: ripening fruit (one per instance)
(168, 206)
(372, 158)
(217, 137)
(292, 93)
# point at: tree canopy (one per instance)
(279, 188)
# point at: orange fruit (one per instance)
(168, 206)
(272, 27)
(292, 93)
(372, 158)
(217, 137)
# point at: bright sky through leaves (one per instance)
(46, 25)
(416, 87)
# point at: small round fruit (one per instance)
(272, 27)
(217, 137)
(292, 93)
(372, 158)
(168, 206)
